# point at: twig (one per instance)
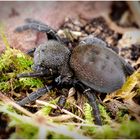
(83, 124)
(77, 107)
(42, 121)
(55, 118)
(6, 100)
(63, 110)
(135, 9)
(117, 28)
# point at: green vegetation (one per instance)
(13, 62)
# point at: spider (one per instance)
(90, 67)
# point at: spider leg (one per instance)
(30, 20)
(93, 102)
(63, 83)
(62, 100)
(35, 74)
(92, 40)
(35, 95)
(31, 52)
(127, 67)
(40, 27)
(61, 103)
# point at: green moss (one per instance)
(130, 129)
(53, 135)
(4, 86)
(13, 62)
(31, 82)
(105, 132)
(47, 109)
(25, 131)
(104, 115)
(33, 128)
(122, 116)
(88, 113)
(24, 61)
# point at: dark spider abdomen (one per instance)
(98, 67)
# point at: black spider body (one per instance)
(93, 65)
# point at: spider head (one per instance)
(50, 55)
(39, 59)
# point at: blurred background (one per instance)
(53, 13)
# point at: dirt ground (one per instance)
(12, 14)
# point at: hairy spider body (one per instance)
(91, 65)
(52, 55)
(100, 68)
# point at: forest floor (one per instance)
(117, 23)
